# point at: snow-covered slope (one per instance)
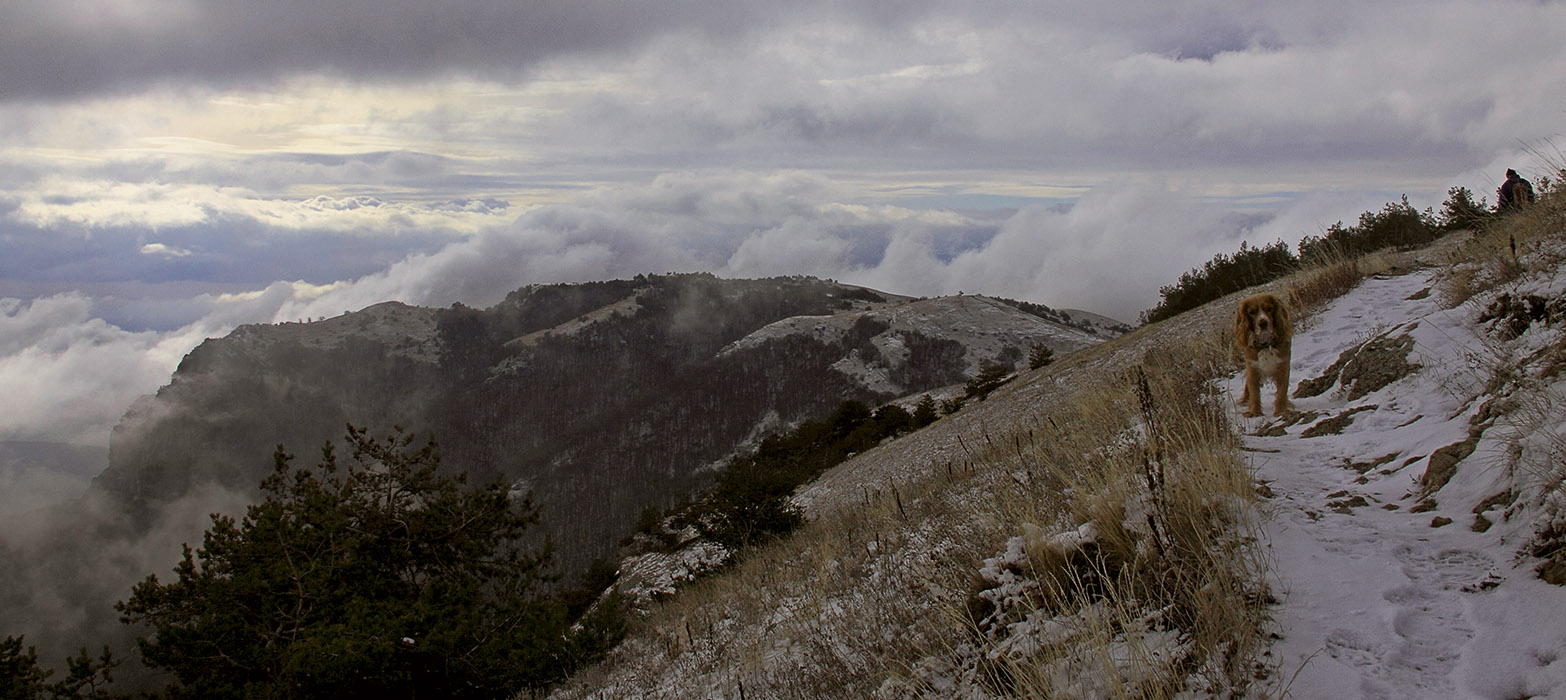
(991, 331)
(1401, 518)
(1411, 503)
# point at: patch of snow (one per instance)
(1389, 591)
(989, 330)
(624, 307)
(646, 577)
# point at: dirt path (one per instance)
(1387, 594)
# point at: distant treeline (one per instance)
(1397, 225)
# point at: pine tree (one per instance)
(21, 678)
(925, 412)
(381, 578)
(1040, 356)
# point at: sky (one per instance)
(170, 169)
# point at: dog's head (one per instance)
(1262, 321)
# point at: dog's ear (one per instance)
(1242, 324)
(1285, 325)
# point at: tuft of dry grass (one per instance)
(1152, 584)
(1511, 246)
(1334, 277)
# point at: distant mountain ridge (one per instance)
(603, 398)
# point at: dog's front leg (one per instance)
(1252, 396)
(1280, 404)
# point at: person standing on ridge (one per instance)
(1514, 193)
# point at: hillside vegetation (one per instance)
(600, 401)
(602, 398)
(1090, 530)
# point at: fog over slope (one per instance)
(603, 399)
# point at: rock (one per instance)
(1553, 572)
(1364, 368)
(1442, 465)
(1481, 524)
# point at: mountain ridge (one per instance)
(605, 398)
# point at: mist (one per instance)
(70, 562)
(71, 374)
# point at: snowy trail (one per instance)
(1385, 597)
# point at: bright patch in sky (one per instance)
(169, 172)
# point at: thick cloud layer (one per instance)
(168, 170)
(57, 48)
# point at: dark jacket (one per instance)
(1513, 193)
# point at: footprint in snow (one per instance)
(1429, 618)
(1427, 627)
(1350, 647)
(1450, 569)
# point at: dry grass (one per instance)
(1152, 585)
(878, 600)
(1503, 265)
(1333, 278)
(975, 576)
(829, 612)
(874, 601)
(1511, 246)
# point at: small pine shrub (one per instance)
(749, 502)
(1223, 275)
(990, 378)
(1040, 356)
(1397, 225)
(925, 412)
(1460, 211)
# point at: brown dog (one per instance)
(1263, 333)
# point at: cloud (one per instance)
(733, 223)
(1091, 94)
(1108, 253)
(71, 375)
(50, 50)
(163, 251)
(1089, 90)
(95, 204)
(172, 173)
(281, 241)
(69, 562)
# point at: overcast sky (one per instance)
(172, 168)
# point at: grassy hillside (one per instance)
(1089, 530)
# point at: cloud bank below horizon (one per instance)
(165, 176)
(1109, 253)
